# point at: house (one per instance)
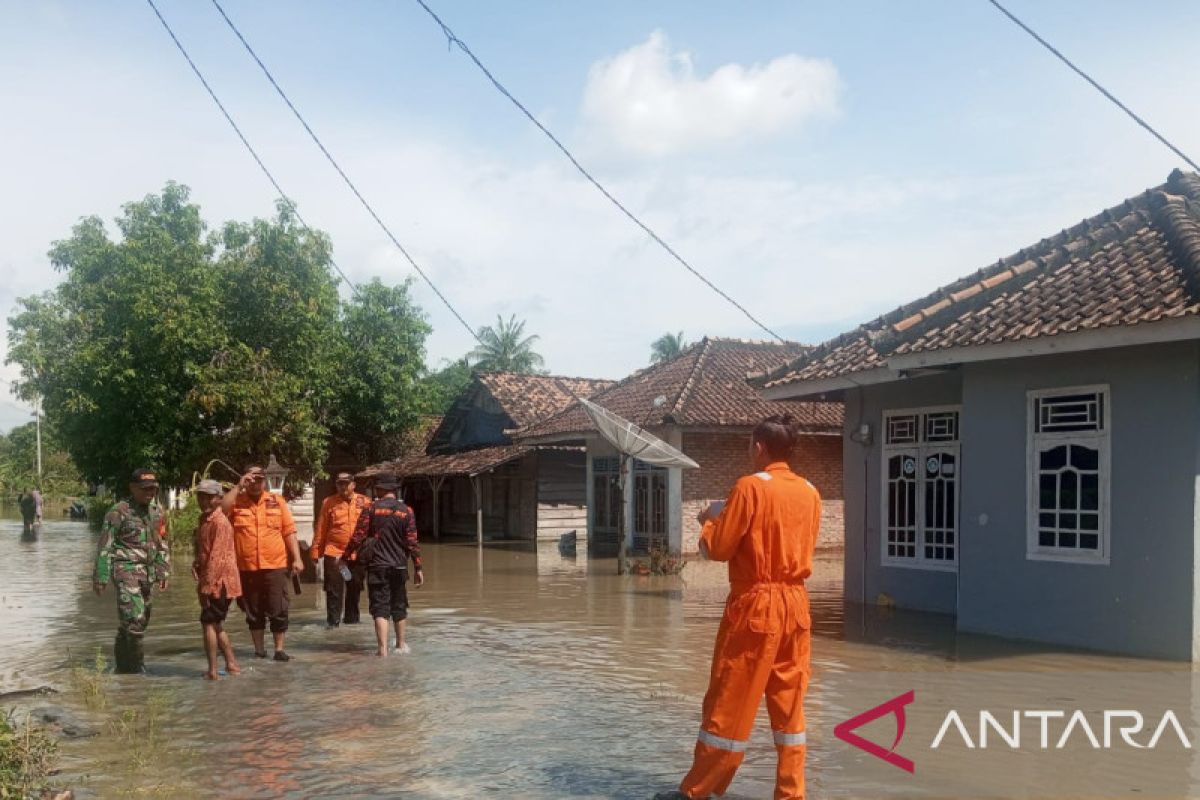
(708, 412)
(467, 477)
(1021, 447)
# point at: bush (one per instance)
(27, 757)
(97, 506)
(181, 525)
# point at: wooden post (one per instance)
(478, 510)
(621, 523)
(436, 486)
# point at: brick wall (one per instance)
(723, 458)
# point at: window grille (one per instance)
(1068, 475)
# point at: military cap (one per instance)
(144, 478)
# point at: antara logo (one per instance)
(1051, 725)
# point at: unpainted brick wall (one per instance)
(723, 458)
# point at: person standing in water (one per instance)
(385, 538)
(767, 531)
(216, 573)
(134, 555)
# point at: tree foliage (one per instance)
(446, 384)
(18, 463)
(381, 394)
(505, 348)
(667, 347)
(171, 345)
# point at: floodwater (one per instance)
(532, 676)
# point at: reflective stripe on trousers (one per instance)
(789, 739)
(721, 743)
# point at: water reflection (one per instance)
(535, 674)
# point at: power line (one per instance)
(451, 38)
(242, 136)
(346, 178)
(1095, 85)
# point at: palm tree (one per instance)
(667, 347)
(506, 348)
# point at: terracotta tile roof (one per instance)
(705, 386)
(1137, 262)
(529, 398)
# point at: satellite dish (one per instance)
(631, 440)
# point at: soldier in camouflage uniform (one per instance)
(134, 555)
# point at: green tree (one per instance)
(381, 396)
(445, 385)
(18, 463)
(506, 348)
(667, 347)
(171, 345)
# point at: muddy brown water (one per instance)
(532, 675)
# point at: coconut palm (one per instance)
(506, 348)
(667, 347)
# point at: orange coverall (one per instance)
(767, 533)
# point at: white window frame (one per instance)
(922, 448)
(1034, 444)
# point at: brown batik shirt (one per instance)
(216, 559)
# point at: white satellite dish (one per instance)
(632, 442)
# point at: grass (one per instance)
(27, 758)
(91, 682)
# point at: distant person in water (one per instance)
(384, 539)
(28, 511)
(216, 573)
(37, 506)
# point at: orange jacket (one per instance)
(335, 523)
(260, 531)
(768, 529)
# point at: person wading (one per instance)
(28, 507)
(767, 531)
(216, 573)
(264, 535)
(384, 539)
(335, 524)
(134, 555)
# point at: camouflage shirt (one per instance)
(131, 538)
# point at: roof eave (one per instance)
(1167, 330)
(818, 386)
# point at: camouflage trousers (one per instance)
(133, 584)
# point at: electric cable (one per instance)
(346, 178)
(245, 142)
(453, 39)
(1094, 84)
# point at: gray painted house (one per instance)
(1022, 447)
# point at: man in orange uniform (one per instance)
(264, 535)
(767, 532)
(335, 524)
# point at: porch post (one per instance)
(436, 486)
(478, 510)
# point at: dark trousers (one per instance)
(341, 593)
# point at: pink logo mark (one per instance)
(895, 706)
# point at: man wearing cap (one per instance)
(134, 555)
(385, 538)
(216, 573)
(335, 524)
(264, 536)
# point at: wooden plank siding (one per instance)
(561, 494)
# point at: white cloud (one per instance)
(648, 99)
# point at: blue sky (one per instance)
(823, 162)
